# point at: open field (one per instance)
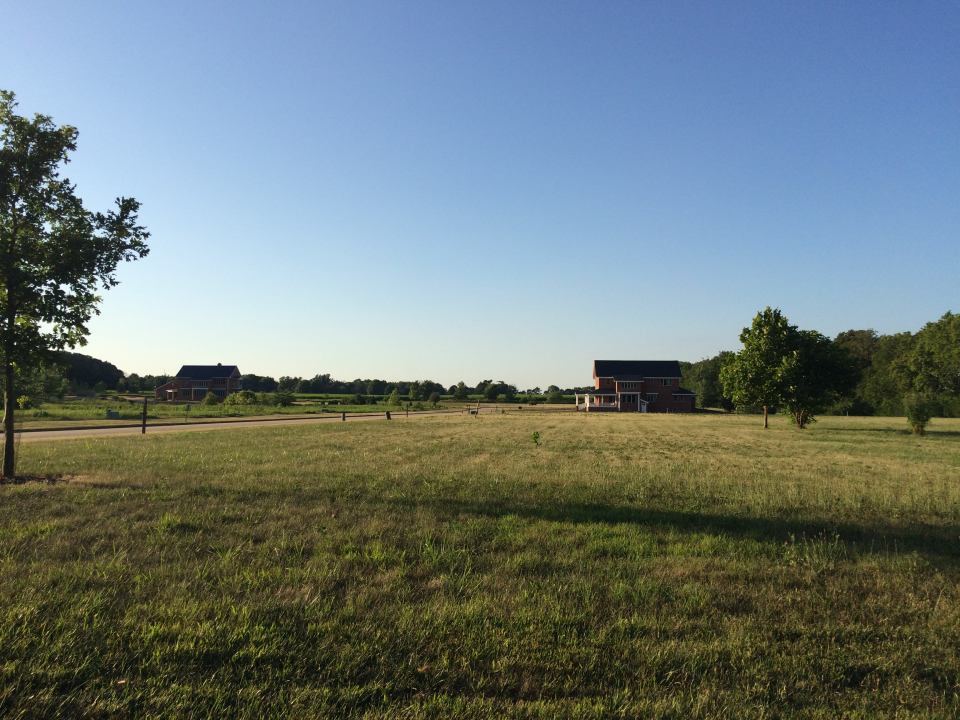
(627, 565)
(92, 412)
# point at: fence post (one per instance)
(388, 414)
(343, 416)
(143, 427)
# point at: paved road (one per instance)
(62, 434)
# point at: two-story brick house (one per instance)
(637, 386)
(193, 382)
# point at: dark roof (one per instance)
(599, 391)
(206, 372)
(636, 369)
(684, 391)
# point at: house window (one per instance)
(219, 393)
(628, 386)
(651, 397)
(678, 398)
(200, 383)
(630, 399)
(185, 391)
(666, 383)
(219, 381)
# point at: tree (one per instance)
(703, 378)
(414, 391)
(211, 398)
(492, 391)
(54, 254)
(554, 394)
(434, 398)
(394, 398)
(461, 392)
(815, 375)
(754, 376)
(509, 393)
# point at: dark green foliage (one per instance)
(86, 370)
(283, 399)
(462, 392)
(919, 409)
(211, 398)
(259, 384)
(816, 374)
(703, 378)
(434, 398)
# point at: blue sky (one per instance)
(507, 190)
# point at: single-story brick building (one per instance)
(193, 382)
(637, 386)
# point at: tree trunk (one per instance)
(764, 417)
(8, 404)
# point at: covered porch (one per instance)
(610, 401)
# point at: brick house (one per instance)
(637, 386)
(193, 382)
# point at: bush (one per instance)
(244, 397)
(433, 399)
(919, 409)
(555, 397)
(394, 398)
(358, 399)
(283, 398)
(211, 398)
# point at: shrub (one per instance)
(434, 398)
(358, 399)
(244, 397)
(211, 398)
(918, 409)
(393, 398)
(555, 397)
(283, 398)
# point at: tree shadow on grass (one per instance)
(934, 542)
(930, 432)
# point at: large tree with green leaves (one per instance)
(754, 376)
(815, 375)
(55, 255)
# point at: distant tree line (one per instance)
(859, 372)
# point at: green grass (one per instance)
(93, 412)
(628, 565)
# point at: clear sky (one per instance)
(459, 191)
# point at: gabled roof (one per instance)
(684, 391)
(206, 372)
(636, 369)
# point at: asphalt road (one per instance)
(63, 434)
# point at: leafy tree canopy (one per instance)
(55, 255)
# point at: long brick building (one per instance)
(637, 386)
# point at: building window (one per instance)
(219, 381)
(628, 386)
(678, 398)
(631, 399)
(185, 391)
(219, 393)
(651, 397)
(666, 383)
(200, 383)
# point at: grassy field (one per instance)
(625, 566)
(92, 412)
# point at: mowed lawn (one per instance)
(627, 566)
